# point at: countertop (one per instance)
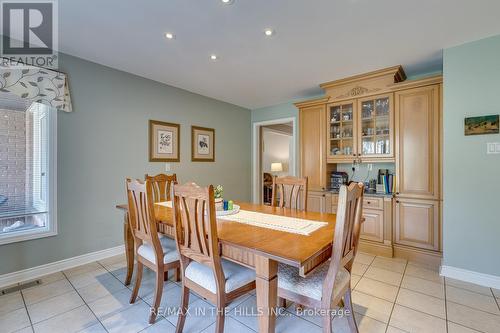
(367, 193)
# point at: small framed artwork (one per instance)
(202, 144)
(481, 125)
(164, 141)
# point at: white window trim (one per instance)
(51, 229)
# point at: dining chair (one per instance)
(162, 188)
(292, 192)
(162, 185)
(331, 281)
(203, 271)
(160, 255)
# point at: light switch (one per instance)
(493, 148)
(167, 167)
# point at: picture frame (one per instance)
(202, 144)
(481, 125)
(164, 141)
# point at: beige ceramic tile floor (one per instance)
(390, 295)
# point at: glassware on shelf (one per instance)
(382, 146)
(382, 106)
(335, 131)
(367, 109)
(368, 146)
(335, 112)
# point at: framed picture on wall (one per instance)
(481, 125)
(202, 144)
(164, 141)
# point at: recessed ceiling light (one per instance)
(227, 2)
(268, 32)
(169, 35)
(214, 57)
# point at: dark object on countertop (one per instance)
(338, 179)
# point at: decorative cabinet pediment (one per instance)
(376, 82)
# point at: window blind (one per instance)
(24, 166)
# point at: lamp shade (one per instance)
(276, 167)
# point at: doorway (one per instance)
(274, 155)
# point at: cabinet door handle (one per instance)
(397, 201)
(324, 195)
(368, 202)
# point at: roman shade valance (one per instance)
(37, 85)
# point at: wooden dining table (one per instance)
(258, 248)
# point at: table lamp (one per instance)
(276, 167)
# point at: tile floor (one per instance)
(390, 295)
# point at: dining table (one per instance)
(256, 247)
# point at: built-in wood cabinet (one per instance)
(313, 143)
(417, 206)
(342, 131)
(381, 117)
(376, 127)
(418, 146)
(319, 202)
(373, 230)
(417, 223)
(373, 226)
(361, 129)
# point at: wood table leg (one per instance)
(266, 271)
(129, 249)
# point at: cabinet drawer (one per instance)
(373, 203)
(373, 226)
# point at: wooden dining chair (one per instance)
(162, 186)
(218, 280)
(160, 255)
(292, 192)
(331, 281)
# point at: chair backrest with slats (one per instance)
(292, 192)
(162, 186)
(141, 213)
(346, 237)
(196, 228)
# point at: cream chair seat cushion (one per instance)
(169, 247)
(236, 275)
(312, 285)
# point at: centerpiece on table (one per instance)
(219, 200)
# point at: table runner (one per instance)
(276, 222)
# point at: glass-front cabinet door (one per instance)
(342, 131)
(376, 127)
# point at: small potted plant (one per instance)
(219, 201)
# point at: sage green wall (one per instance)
(105, 140)
(471, 179)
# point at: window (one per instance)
(27, 172)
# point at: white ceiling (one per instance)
(315, 41)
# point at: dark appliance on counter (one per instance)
(338, 179)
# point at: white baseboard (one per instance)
(38, 271)
(486, 280)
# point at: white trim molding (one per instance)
(54, 267)
(255, 152)
(482, 279)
